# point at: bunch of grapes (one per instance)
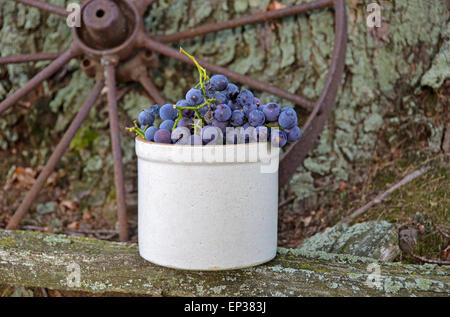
(215, 112)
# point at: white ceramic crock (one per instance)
(207, 207)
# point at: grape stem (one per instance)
(201, 71)
(195, 108)
(139, 132)
(203, 80)
(178, 118)
(269, 125)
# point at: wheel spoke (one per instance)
(44, 7)
(40, 77)
(250, 19)
(123, 91)
(117, 152)
(144, 4)
(24, 58)
(150, 44)
(56, 156)
(151, 89)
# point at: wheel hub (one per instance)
(109, 27)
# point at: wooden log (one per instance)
(53, 261)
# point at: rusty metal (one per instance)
(250, 19)
(151, 89)
(56, 156)
(136, 69)
(106, 26)
(126, 47)
(44, 7)
(113, 42)
(143, 5)
(40, 77)
(109, 63)
(24, 58)
(90, 67)
(131, 69)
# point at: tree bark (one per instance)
(51, 261)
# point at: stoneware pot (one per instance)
(211, 207)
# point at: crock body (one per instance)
(205, 208)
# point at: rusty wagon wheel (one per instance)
(113, 45)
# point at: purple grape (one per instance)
(185, 113)
(195, 139)
(221, 98)
(222, 125)
(167, 125)
(150, 133)
(180, 135)
(249, 108)
(271, 111)
(222, 113)
(237, 118)
(146, 118)
(232, 92)
(293, 134)
(278, 138)
(155, 110)
(287, 119)
(257, 102)
(203, 110)
(234, 106)
(256, 118)
(183, 103)
(162, 136)
(195, 97)
(219, 82)
(168, 112)
(185, 123)
(209, 91)
(245, 98)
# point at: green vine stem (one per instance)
(201, 71)
(203, 80)
(273, 125)
(195, 108)
(136, 129)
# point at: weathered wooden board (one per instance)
(52, 261)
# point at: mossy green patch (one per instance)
(428, 194)
(83, 139)
(425, 200)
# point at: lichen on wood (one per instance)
(45, 260)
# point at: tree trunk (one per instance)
(53, 261)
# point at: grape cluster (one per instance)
(215, 112)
